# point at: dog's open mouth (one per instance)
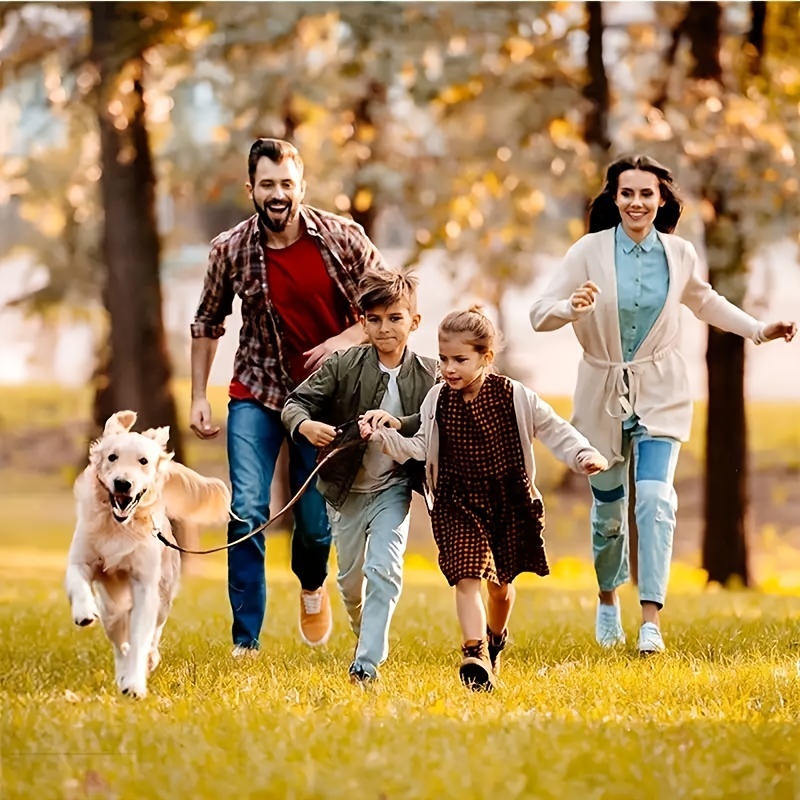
(123, 505)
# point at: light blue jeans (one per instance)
(370, 533)
(656, 505)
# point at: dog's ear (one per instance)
(121, 422)
(160, 435)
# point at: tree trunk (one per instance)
(725, 539)
(365, 122)
(596, 88)
(138, 368)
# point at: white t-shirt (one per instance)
(378, 471)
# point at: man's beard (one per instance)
(276, 225)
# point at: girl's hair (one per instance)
(473, 325)
(603, 212)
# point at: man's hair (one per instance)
(276, 150)
(385, 288)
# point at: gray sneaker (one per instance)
(608, 626)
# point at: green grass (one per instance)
(717, 717)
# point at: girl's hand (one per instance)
(591, 462)
(780, 330)
(378, 418)
(584, 296)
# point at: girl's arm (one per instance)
(554, 308)
(562, 439)
(402, 448)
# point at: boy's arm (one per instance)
(562, 439)
(308, 400)
(410, 423)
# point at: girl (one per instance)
(475, 438)
(621, 286)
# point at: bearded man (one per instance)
(296, 270)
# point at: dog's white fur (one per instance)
(118, 571)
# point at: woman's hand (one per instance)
(584, 296)
(780, 330)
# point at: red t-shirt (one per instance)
(308, 303)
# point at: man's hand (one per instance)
(591, 462)
(780, 330)
(318, 433)
(368, 423)
(317, 355)
(200, 419)
(584, 296)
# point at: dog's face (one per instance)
(129, 465)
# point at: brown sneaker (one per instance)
(476, 669)
(496, 644)
(316, 621)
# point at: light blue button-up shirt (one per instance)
(642, 286)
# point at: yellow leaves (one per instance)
(576, 228)
(363, 200)
(49, 219)
(534, 203)
(452, 229)
(563, 133)
(519, 49)
(455, 94)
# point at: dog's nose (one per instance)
(121, 486)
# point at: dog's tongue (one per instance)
(122, 501)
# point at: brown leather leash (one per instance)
(336, 450)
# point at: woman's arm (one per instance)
(712, 308)
(568, 296)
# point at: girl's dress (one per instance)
(486, 522)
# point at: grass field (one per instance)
(718, 716)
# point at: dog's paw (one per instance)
(85, 614)
(133, 688)
(153, 660)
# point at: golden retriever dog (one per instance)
(118, 571)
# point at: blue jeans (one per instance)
(370, 532)
(656, 505)
(255, 436)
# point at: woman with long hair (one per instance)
(621, 286)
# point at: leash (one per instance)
(336, 450)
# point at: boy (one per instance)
(368, 494)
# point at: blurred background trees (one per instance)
(473, 132)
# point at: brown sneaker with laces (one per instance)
(316, 620)
(476, 669)
(496, 645)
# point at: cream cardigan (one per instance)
(535, 419)
(659, 386)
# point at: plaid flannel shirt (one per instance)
(236, 266)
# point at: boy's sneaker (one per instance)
(316, 620)
(360, 675)
(608, 626)
(650, 639)
(496, 644)
(240, 651)
(476, 671)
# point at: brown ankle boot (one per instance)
(476, 668)
(496, 644)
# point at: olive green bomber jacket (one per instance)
(347, 385)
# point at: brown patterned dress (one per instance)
(486, 522)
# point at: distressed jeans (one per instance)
(655, 459)
(255, 436)
(370, 533)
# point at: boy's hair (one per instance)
(276, 150)
(476, 328)
(385, 288)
